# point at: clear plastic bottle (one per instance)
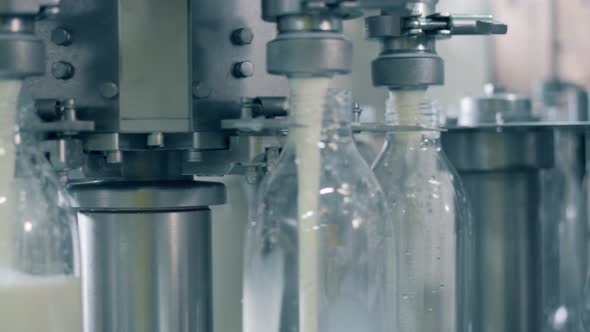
(563, 210)
(39, 286)
(316, 253)
(432, 220)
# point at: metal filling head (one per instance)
(408, 31)
(273, 10)
(310, 41)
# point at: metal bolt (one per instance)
(243, 36)
(62, 70)
(201, 90)
(243, 69)
(109, 90)
(155, 140)
(61, 37)
(68, 107)
(357, 112)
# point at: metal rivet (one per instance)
(109, 90)
(243, 36)
(61, 37)
(62, 70)
(201, 90)
(243, 69)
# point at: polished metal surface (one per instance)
(487, 149)
(501, 170)
(146, 255)
(146, 271)
(408, 31)
(408, 70)
(150, 196)
(134, 78)
(309, 53)
(273, 9)
(167, 62)
(498, 108)
(507, 249)
(325, 23)
(21, 55)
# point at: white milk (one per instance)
(9, 91)
(308, 97)
(39, 304)
(27, 303)
(405, 105)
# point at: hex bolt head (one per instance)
(62, 70)
(201, 90)
(243, 69)
(243, 36)
(61, 37)
(109, 90)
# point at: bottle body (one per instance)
(39, 285)
(316, 253)
(564, 236)
(563, 212)
(432, 222)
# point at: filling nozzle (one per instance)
(22, 54)
(408, 31)
(310, 41)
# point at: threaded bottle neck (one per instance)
(321, 113)
(411, 108)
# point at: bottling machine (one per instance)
(137, 97)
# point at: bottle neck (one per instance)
(318, 114)
(411, 108)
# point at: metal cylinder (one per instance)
(501, 172)
(21, 55)
(146, 255)
(309, 54)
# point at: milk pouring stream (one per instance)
(47, 303)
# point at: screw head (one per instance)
(109, 90)
(243, 69)
(243, 36)
(201, 90)
(62, 70)
(61, 37)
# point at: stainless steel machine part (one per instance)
(408, 31)
(501, 168)
(146, 249)
(495, 108)
(310, 40)
(119, 49)
(22, 54)
(501, 173)
(152, 82)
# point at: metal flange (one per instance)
(344, 9)
(309, 54)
